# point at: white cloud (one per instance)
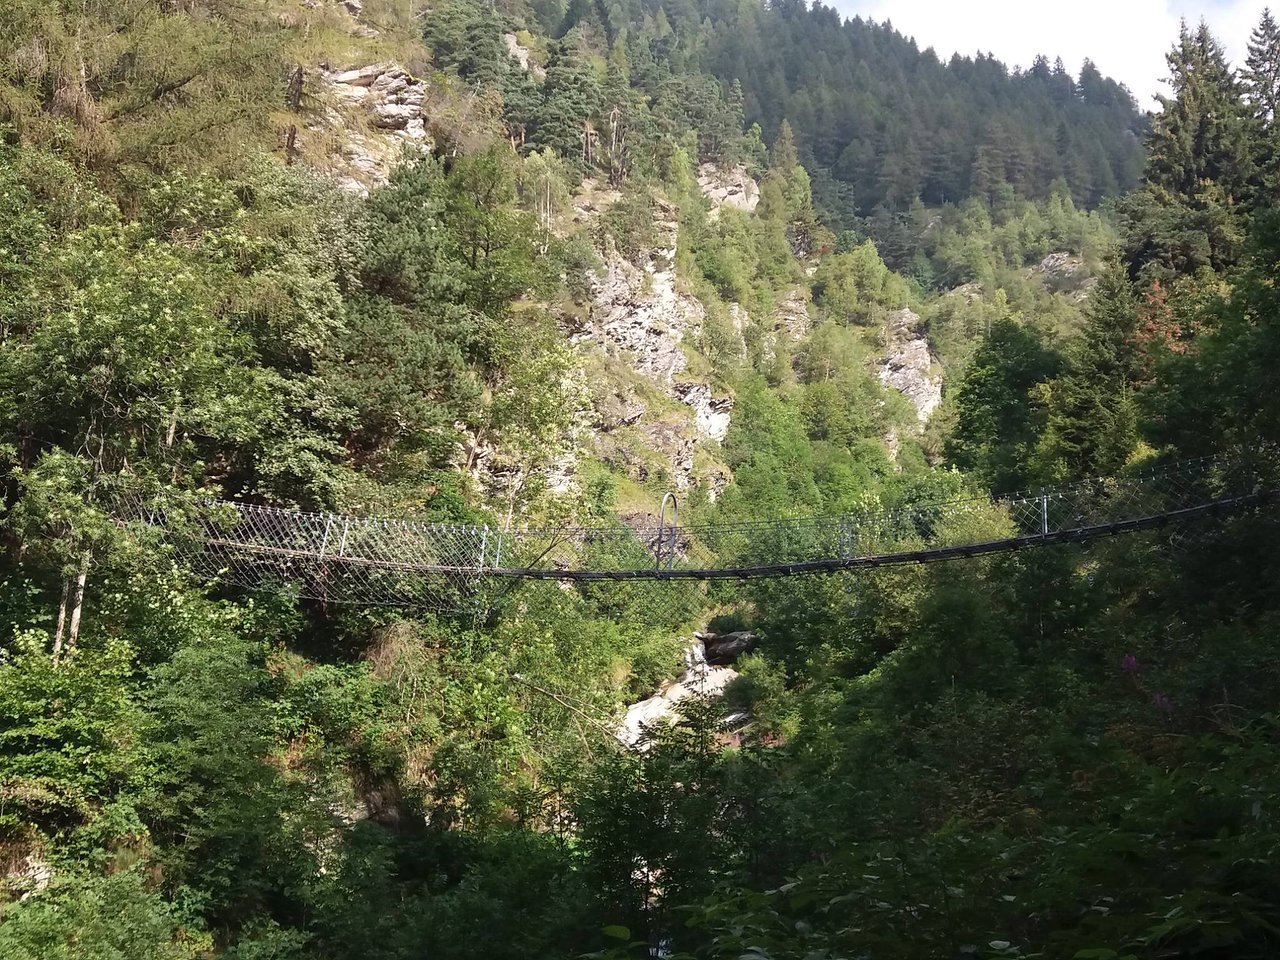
(1127, 39)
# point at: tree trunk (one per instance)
(516, 486)
(73, 629)
(62, 621)
(295, 105)
(295, 89)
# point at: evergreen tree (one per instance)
(566, 119)
(622, 110)
(784, 157)
(1063, 84)
(1200, 168)
(1261, 74)
(465, 36)
(1091, 427)
(1200, 134)
(1261, 80)
(874, 120)
(997, 422)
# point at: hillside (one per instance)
(483, 267)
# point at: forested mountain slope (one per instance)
(878, 122)
(540, 264)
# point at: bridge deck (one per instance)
(376, 560)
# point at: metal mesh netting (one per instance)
(449, 566)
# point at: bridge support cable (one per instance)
(405, 562)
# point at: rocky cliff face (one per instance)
(638, 309)
(386, 102)
(523, 56)
(907, 364)
(1066, 273)
(728, 188)
(792, 316)
(711, 415)
(639, 317)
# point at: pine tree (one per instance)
(986, 173)
(785, 158)
(571, 104)
(1092, 423)
(1261, 74)
(1200, 134)
(1200, 178)
(1063, 85)
(997, 427)
(1261, 81)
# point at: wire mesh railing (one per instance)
(389, 561)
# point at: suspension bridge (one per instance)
(387, 561)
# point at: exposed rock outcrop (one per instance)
(663, 706)
(792, 316)
(638, 316)
(717, 481)
(970, 291)
(617, 409)
(25, 872)
(639, 309)
(893, 445)
(728, 188)
(674, 443)
(707, 675)
(1061, 265)
(907, 364)
(1066, 273)
(562, 474)
(523, 56)
(592, 199)
(711, 415)
(389, 101)
(723, 649)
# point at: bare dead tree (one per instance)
(295, 105)
(617, 147)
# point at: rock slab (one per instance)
(907, 365)
(728, 188)
(707, 675)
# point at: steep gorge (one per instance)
(464, 267)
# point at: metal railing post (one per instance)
(668, 497)
(1044, 513)
(324, 542)
(675, 532)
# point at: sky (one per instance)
(1127, 39)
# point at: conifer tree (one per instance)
(571, 103)
(1091, 426)
(1261, 80)
(1199, 178)
(785, 157)
(1200, 133)
(997, 427)
(1261, 74)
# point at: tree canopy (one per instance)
(657, 244)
